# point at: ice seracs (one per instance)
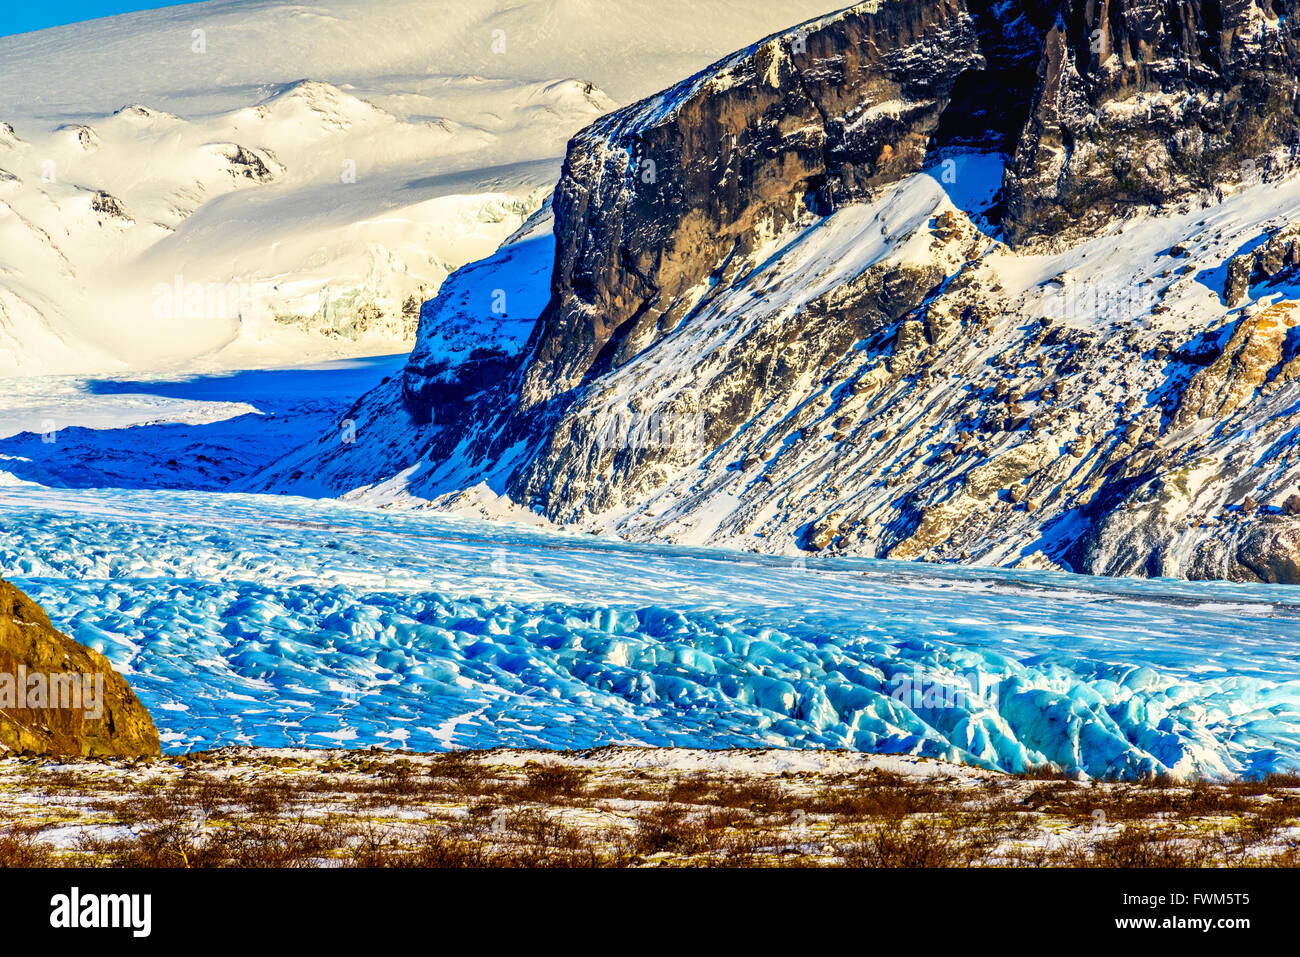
(276, 621)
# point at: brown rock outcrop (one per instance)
(1277, 258)
(1254, 350)
(59, 698)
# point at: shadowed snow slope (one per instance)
(264, 181)
(179, 430)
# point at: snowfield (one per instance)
(284, 622)
(261, 182)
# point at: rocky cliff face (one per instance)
(58, 698)
(1276, 260)
(1139, 102)
(662, 202)
(956, 281)
(1132, 104)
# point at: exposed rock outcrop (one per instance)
(247, 164)
(109, 207)
(1276, 260)
(663, 201)
(1253, 354)
(1138, 103)
(59, 698)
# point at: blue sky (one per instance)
(20, 16)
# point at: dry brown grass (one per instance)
(20, 846)
(235, 809)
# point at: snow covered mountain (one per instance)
(1003, 284)
(1008, 284)
(258, 181)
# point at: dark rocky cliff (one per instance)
(1138, 102)
(1129, 103)
(662, 200)
(911, 406)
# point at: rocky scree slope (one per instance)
(1005, 284)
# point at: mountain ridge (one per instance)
(903, 353)
(323, 168)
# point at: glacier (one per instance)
(278, 621)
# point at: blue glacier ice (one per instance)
(275, 621)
